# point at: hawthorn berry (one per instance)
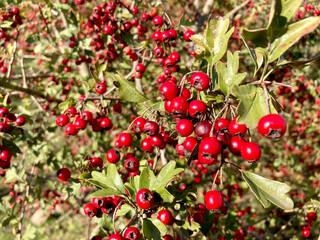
(250, 151)
(168, 90)
(100, 88)
(213, 200)
(272, 126)
(138, 124)
(179, 107)
(125, 139)
(131, 164)
(99, 202)
(187, 35)
(20, 121)
(5, 155)
(132, 233)
(145, 199)
(197, 108)
(64, 174)
(113, 156)
(208, 150)
(202, 129)
(236, 128)
(71, 129)
(184, 127)
(165, 216)
(96, 162)
(221, 124)
(200, 81)
(146, 145)
(151, 128)
(62, 120)
(158, 21)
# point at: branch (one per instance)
(236, 9)
(13, 56)
(28, 91)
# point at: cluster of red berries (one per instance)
(104, 205)
(310, 218)
(12, 15)
(8, 121)
(307, 9)
(98, 123)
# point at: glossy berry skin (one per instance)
(165, 216)
(20, 121)
(80, 124)
(90, 210)
(202, 129)
(200, 81)
(62, 120)
(131, 164)
(132, 233)
(158, 52)
(71, 112)
(197, 217)
(179, 107)
(108, 30)
(187, 35)
(168, 237)
(146, 145)
(4, 127)
(64, 174)
(158, 21)
(168, 90)
(96, 162)
(5, 155)
(96, 237)
(140, 68)
(236, 128)
(272, 126)
(100, 88)
(113, 156)
(157, 140)
(138, 124)
(250, 151)
(144, 199)
(184, 127)
(125, 139)
(306, 232)
(106, 123)
(99, 202)
(87, 116)
(221, 124)
(209, 148)
(197, 109)
(189, 143)
(151, 128)
(71, 129)
(236, 143)
(174, 57)
(3, 69)
(213, 200)
(115, 237)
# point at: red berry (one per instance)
(20, 121)
(236, 128)
(3, 69)
(99, 202)
(64, 174)
(236, 143)
(197, 108)
(125, 139)
(80, 123)
(184, 127)
(272, 126)
(158, 52)
(200, 81)
(147, 146)
(100, 88)
(115, 237)
(189, 144)
(202, 129)
(179, 107)
(62, 120)
(113, 156)
(158, 21)
(138, 124)
(187, 35)
(145, 199)
(90, 210)
(71, 129)
(151, 128)
(131, 164)
(96, 162)
(250, 151)
(132, 233)
(165, 216)
(106, 123)
(168, 90)
(306, 233)
(222, 124)
(6, 155)
(174, 57)
(213, 200)
(208, 150)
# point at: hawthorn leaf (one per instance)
(153, 228)
(294, 33)
(228, 76)
(252, 104)
(165, 175)
(300, 64)
(165, 195)
(127, 91)
(268, 191)
(280, 14)
(153, 104)
(259, 37)
(124, 209)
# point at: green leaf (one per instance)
(187, 225)
(111, 183)
(69, 32)
(165, 195)
(61, 6)
(165, 175)
(294, 33)
(252, 104)
(268, 191)
(144, 179)
(11, 146)
(127, 90)
(152, 104)
(259, 37)
(124, 209)
(153, 228)
(73, 189)
(6, 24)
(30, 232)
(65, 105)
(184, 22)
(300, 64)
(281, 13)
(92, 107)
(213, 43)
(229, 76)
